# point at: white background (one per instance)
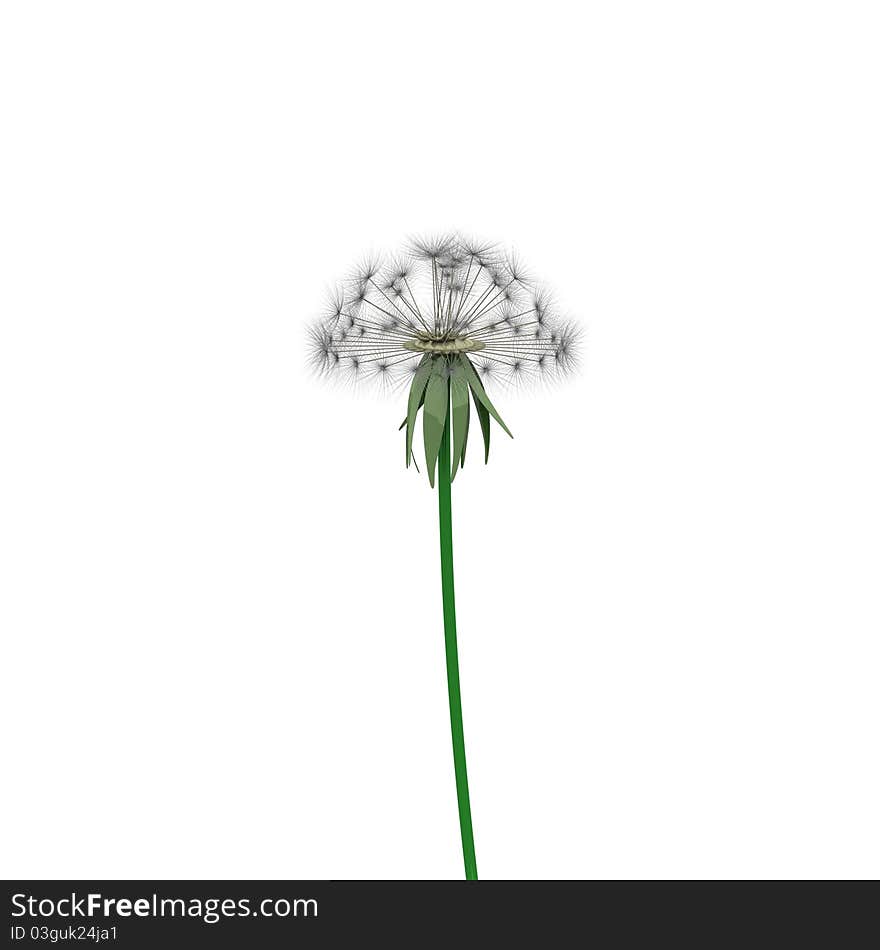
(221, 629)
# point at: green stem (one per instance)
(444, 491)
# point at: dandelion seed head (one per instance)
(449, 295)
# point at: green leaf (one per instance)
(461, 402)
(485, 422)
(416, 398)
(434, 416)
(480, 393)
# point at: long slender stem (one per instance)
(444, 491)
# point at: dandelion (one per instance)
(451, 319)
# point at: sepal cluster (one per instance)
(442, 388)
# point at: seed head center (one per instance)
(457, 344)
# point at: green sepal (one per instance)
(485, 422)
(480, 393)
(434, 415)
(467, 426)
(416, 399)
(402, 424)
(461, 401)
